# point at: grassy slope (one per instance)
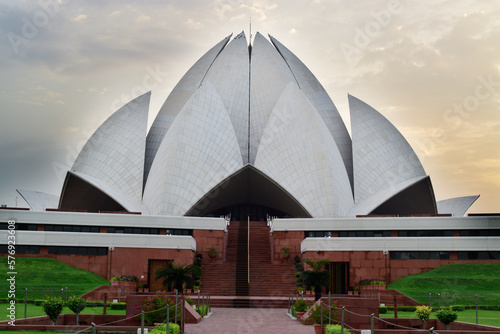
(38, 273)
(465, 280)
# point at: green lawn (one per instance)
(36, 311)
(456, 284)
(486, 317)
(44, 277)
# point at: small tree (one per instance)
(76, 305)
(423, 313)
(316, 278)
(446, 316)
(53, 308)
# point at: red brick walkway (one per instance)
(248, 321)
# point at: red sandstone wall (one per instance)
(121, 261)
(206, 239)
(290, 239)
(375, 265)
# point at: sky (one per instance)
(431, 67)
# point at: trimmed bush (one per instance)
(202, 310)
(118, 306)
(53, 308)
(76, 305)
(335, 329)
(382, 309)
(446, 316)
(423, 313)
(458, 308)
(172, 328)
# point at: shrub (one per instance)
(366, 282)
(382, 309)
(458, 308)
(189, 300)
(76, 305)
(118, 306)
(124, 278)
(156, 308)
(172, 328)
(423, 313)
(335, 329)
(446, 316)
(301, 306)
(202, 310)
(53, 308)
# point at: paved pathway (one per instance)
(248, 321)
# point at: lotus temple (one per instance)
(249, 157)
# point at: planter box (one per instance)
(318, 329)
(371, 289)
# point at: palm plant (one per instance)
(316, 277)
(178, 274)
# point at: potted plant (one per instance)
(125, 283)
(350, 290)
(285, 253)
(299, 308)
(213, 253)
(371, 286)
(356, 290)
(317, 277)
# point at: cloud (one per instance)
(80, 18)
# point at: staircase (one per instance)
(231, 278)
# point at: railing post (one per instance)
(439, 300)
(176, 302)
(431, 330)
(342, 321)
(372, 323)
(430, 299)
(142, 322)
(182, 314)
(329, 308)
(477, 313)
(321, 314)
(93, 329)
(25, 302)
(209, 303)
(168, 319)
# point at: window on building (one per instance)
(175, 231)
(364, 234)
(72, 228)
(431, 233)
(65, 250)
(419, 255)
(20, 227)
(133, 230)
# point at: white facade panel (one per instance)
(199, 151)
(115, 152)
